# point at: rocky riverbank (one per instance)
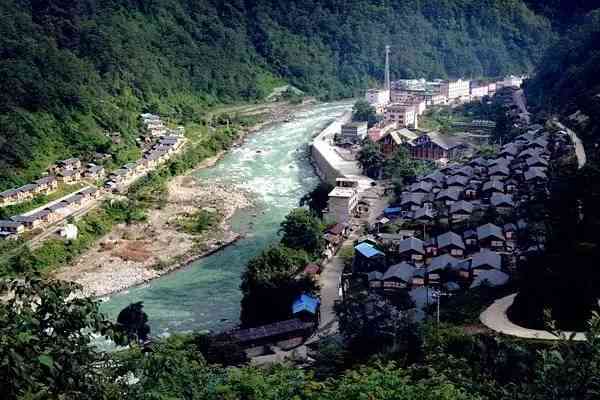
(134, 254)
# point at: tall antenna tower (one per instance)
(387, 68)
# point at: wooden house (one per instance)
(412, 249)
(398, 276)
(490, 236)
(368, 258)
(461, 210)
(451, 243)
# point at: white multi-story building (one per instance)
(456, 90)
(479, 90)
(403, 115)
(378, 99)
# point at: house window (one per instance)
(456, 252)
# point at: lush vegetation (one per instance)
(46, 335)
(72, 72)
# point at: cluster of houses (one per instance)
(47, 215)
(153, 127)
(468, 253)
(67, 171)
(461, 190)
(163, 149)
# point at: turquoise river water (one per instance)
(205, 294)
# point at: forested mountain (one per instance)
(72, 70)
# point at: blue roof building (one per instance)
(306, 304)
(368, 258)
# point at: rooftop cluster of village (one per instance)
(464, 225)
(164, 143)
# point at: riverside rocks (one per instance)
(134, 254)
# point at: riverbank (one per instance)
(137, 253)
(134, 254)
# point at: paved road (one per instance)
(495, 318)
(579, 149)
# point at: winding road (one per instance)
(495, 317)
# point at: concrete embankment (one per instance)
(329, 164)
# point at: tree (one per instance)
(370, 324)
(46, 334)
(270, 284)
(303, 231)
(133, 322)
(364, 112)
(370, 159)
(317, 199)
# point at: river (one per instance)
(273, 165)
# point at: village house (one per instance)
(10, 228)
(69, 176)
(485, 260)
(398, 276)
(535, 176)
(28, 191)
(367, 258)
(492, 187)
(11, 196)
(491, 278)
(503, 203)
(510, 231)
(29, 221)
(470, 238)
(421, 187)
(423, 215)
(498, 172)
(393, 140)
(412, 201)
(490, 236)
(306, 308)
(451, 243)
(412, 249)
(433, 146)
(461, 211)
(94, 171)
(47, 184)
(70, 164)
(448, 196)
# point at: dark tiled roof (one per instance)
(450, 239)
(499, 199)
(412, 243)
(403, 271)
(489, 230)
(461, 206)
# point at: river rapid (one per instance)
(273, 165)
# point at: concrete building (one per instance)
(456, 90)
(353, 132)
(479, 90)
(342, 203)
(378, 99)
(404, 116)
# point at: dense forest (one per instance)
(71, 71)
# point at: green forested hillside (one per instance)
(72, 70)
